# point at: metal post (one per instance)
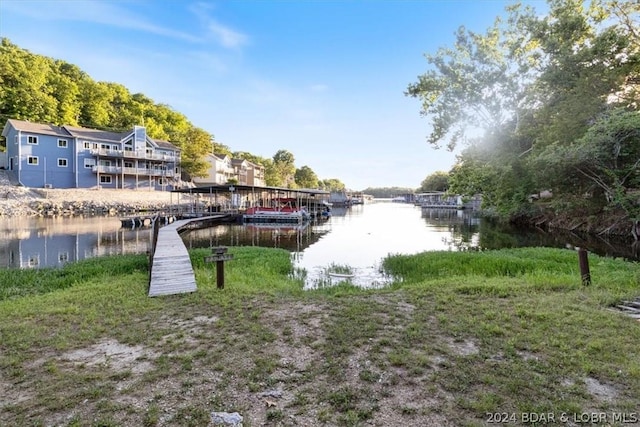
(584, 266)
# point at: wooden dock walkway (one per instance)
(171, 269)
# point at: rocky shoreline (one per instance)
(22, 201)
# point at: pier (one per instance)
(171, 271)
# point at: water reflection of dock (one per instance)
(146, 220)
(292, 237)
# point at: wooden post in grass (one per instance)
(220, 255)
(583, 261)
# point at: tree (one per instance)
(332, 184)
(607, 159)
(472, 85)
(94, 110)
(283, 169)
(305, 177)
(25, 93)
(195, 145)
(250, 157)
(437, 181)
(533, 85)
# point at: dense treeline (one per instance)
(41, 89)
(387, 192)
(555, 100)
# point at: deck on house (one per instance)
(171, 269)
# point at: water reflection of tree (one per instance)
(468, 232)
(496, 235)
(463, 226)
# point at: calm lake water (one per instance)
(357, 238)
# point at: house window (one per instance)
(63, 143)
(128, 164)
(33, 140)
(63, 257)
(89, 163)
(32, 160)
(105, 146)
(62, 163)
(105, 179)
(34, 260)
(87, 145)
(105, 162)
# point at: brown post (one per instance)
(584, 266)
(219, 255)
(220, 274)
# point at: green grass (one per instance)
(457, 336)
(15, 283)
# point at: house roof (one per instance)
(96, 134)
(220, 156)
(41, 128)
(77, 132)
(165, 144)
(238, 162)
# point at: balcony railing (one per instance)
(118, 170)
(132, 155)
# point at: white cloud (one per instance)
(223, 34)
(226, 36)
(93, 12)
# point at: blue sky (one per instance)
(322, 79)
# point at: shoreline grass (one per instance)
(461, 337)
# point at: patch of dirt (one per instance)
(601, 392)
(11, 395)
(463, 348)
(114, 355)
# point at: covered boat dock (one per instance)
(237, 198)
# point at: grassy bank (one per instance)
(458, 337)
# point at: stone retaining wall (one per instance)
(21, 201)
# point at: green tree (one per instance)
(26, 94)
(532, 85)
(282, 171)
(94, 110)
(305, 177)
(250, 157)
(332, 184)
(437, 181)
(195, 144)
(606, 160)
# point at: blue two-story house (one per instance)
(47, 156)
